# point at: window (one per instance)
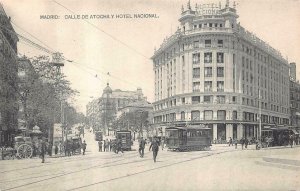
(210, 24)
(195, 115)
(220, 86)
(196, 86)
(208, 57)
(233, 99)
(234, 115)
(196, 44)
(196, 72)
(220, 72)
(207, 43)
(195, 99)
(200, 25)
(220, 43)
(221, 114)
(182, 116)
(208, 115)
(220, 57)
(221, 25)
(216, 24)
(208, 86)
(208, 72)
(196, 58)
(207, 99)
(221, 99)
(243, 62)
(183, 100)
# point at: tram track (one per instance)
(115, 164)
(67, 159)
(132, 155)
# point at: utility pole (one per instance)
(57, 62)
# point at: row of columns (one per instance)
(240, 131)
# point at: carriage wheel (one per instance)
(24, 151)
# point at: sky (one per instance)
(123, 47)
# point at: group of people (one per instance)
(110, 145)
(244, 142)
(69, 148)
(155, 143)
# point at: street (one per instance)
(222, 168)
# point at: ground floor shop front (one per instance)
(222, 132)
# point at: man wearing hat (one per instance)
(83, 147)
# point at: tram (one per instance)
(125, 138)
(188, 138)
(98, 135)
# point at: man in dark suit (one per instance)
(154, 145)
(142, 147)
(43, 150)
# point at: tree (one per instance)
(41, 92)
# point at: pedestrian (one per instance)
(119, 146)
(43, 150)
(142, 147)
(162, 144)
(56, 149)
(155, 146)
(83, 147)
(246, 143)
(242, 142)
(100, 146)
(107, 145)
(230, 141)
(50, 149)
(104, 147)
(291, 140)
(73, 148)
(235, 143)
(110, 145)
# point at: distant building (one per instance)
(142, 111)
(293, 75)
(213, 72)
(8, 80)
(295, 103)
(102, 111)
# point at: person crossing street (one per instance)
(142, 147)
(154, 145)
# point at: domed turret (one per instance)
(107, 90)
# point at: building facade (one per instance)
(213, 72)
(102, 111)
(8, 80)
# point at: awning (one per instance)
(295, 131)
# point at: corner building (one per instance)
(213, 72)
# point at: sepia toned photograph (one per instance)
(152, 95)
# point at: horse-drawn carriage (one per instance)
(23, 148)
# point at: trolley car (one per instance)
(188, 138)
(98, 136)
(125, 137)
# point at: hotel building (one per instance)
(212, 72)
